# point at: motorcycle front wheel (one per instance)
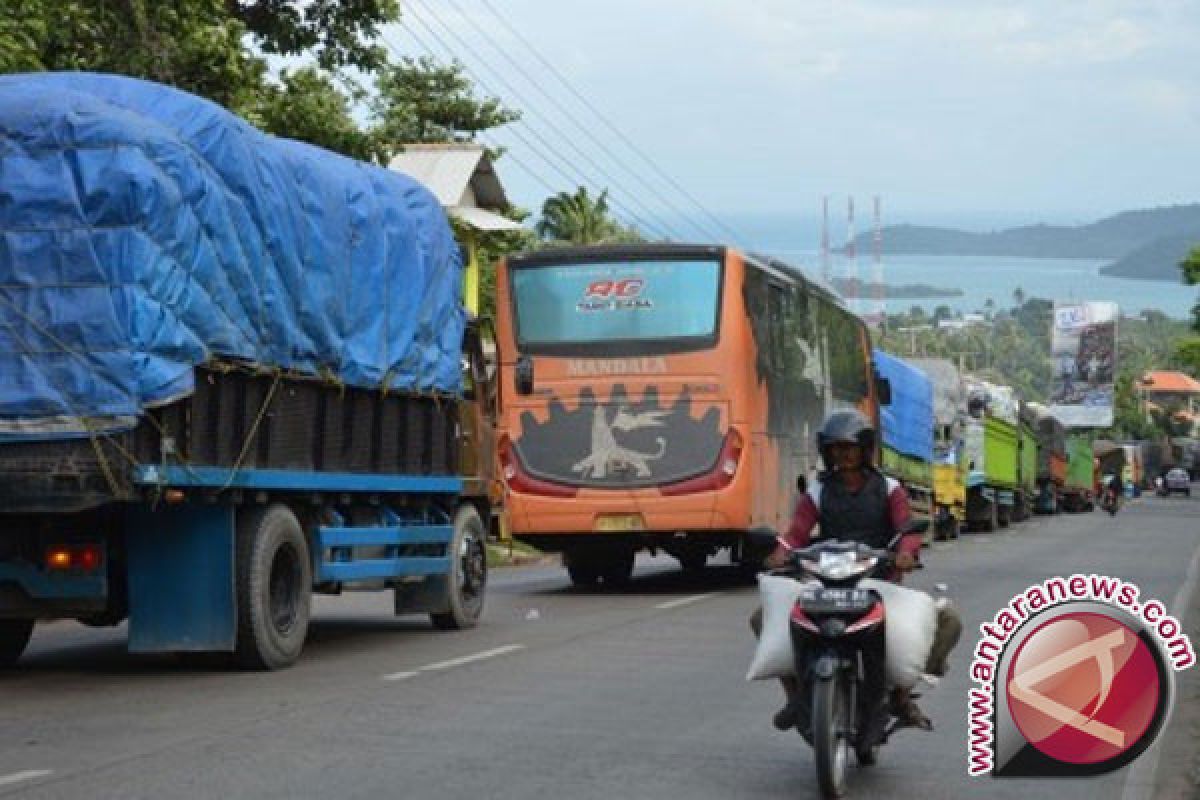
(830, 727)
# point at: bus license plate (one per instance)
(620, 523)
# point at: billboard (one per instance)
(1083, 347)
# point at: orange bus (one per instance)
(664, 397)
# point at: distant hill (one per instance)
(1141, 243)
(1156, 261)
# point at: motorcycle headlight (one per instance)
(833, 627)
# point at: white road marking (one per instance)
(27, 775)
(471, 659)
(455, 662)
(1139, 781)
(685, 601)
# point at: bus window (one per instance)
(580, 307)
(847, 359)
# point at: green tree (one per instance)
(422, 100)
(580, 218)
(1191, 276)
(340, 33)
(1187, 356)
(207, 47)
(307, 105)
(193, 44)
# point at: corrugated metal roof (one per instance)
(483, 220)
(457, 174)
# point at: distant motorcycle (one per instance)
(1109, 502)
(837, 631)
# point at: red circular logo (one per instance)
(1083, 688)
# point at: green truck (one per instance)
(1078, 491)
(991, 446)
(1027, 470)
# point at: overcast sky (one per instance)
(1060, 110)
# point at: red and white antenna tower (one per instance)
(880, 309)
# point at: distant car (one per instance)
(1178, 480)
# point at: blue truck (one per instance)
(236, 372)
(907, 423)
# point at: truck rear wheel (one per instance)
(468, 576)
(274, 588)
(14, 636)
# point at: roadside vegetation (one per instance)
(1012, 346)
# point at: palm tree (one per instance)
(578, 218)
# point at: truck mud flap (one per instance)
(181, 579)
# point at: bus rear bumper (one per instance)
(532, 516)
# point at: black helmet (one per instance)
(850, 427)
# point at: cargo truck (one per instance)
(234, 377)
(949, 473)
(1051, 458)
(907, 425)
(1027, 468)
(1077, 492)
(990, 449)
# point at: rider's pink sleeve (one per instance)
(900, 513)
(804, 519)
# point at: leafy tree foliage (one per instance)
(1015, 350)
(421, 100)
(579, 218)
(1191, 276)
(340, 33)
(309, 106)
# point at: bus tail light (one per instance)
(74, 557)
(521, 481)
(721, 475)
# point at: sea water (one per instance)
(981, 278)
(796, 241)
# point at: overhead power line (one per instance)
(566, 113)
(621, 197)
(553, 70)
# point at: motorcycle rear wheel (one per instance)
(830, 725)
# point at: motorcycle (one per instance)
(837, 629)
(1109, 502)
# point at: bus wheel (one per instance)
(584, 572)
(618, 569)
(274, 588)
(14, 636)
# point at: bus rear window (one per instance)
(626, 305)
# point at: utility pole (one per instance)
(825, 275)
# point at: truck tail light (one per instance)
(521, 481)
(719, 477)
(74, 557)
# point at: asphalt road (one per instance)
(559, 694)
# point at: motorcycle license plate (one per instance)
(829, 600)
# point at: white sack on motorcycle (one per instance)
(911, 625)
(773, 658)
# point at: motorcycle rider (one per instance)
(853, 501)
(1113, 489)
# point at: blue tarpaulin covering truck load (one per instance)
(908, 429)
(232, 371)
